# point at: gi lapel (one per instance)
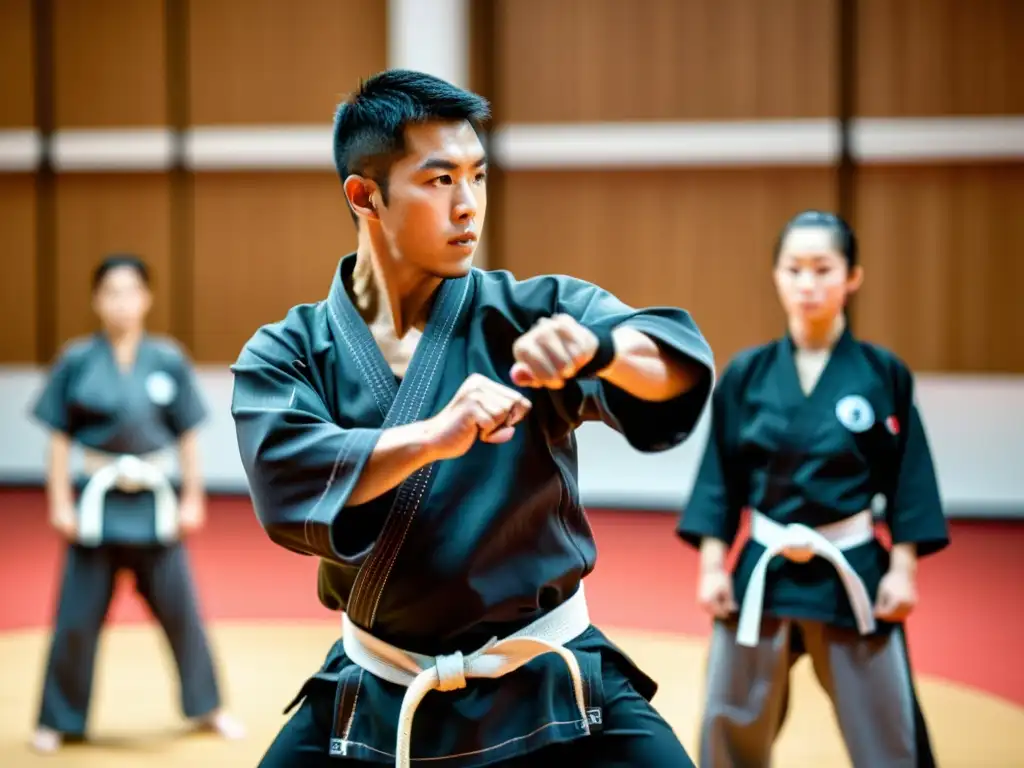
(400, 405)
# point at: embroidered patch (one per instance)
(855, 413)
(594, 716)
(161, 388)
(893, 425)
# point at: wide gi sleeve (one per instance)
(51, 406)
(647, 426)
(187, 410)
(720, 489)
(301, 465)
(914, 511)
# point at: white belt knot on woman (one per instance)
(420, 674)
(130, 474)
(800, 543)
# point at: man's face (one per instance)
(437, 198)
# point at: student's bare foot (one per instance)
(46, 741)
(223, 724)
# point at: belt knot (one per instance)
(451, 671)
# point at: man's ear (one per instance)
(359, 191)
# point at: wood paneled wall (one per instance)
(258, 242)
(231, 251)
(697, 238)
(266, 241)
(597, 60)
(941, 244)
(109, 64)
(700, 239)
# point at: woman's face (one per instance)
(812, 277)
(122, 300)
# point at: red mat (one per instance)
(965, 630)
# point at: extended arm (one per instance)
(648, 371)
(655, 384)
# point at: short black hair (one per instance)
(843, 236)
(115, 260)
(369, 126)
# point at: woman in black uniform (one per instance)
(126, 399)
(806, 431)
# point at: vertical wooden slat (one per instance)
(45, 186)
(846, 95)
(181, 247)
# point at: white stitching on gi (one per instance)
(414, 508)
(365, 368)
(352, 715)
(411, 404)
(534, 732)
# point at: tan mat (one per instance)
(135, 721)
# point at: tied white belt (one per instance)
(130, 474)
(421, 674)
(827, 541)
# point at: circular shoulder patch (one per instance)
(855, 413)
(161, 388)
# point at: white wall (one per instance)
(975, 424)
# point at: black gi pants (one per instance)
(163, 580)
(633, 735)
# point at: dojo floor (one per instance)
(269, 632)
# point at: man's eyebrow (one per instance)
(439, 164)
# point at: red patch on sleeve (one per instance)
(893, 425)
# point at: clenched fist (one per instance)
(714, 593)
(897, 596)
(552, 352)
(481, 409)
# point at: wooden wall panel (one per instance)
(939, 57)
(18, 285)
(101, 213)
(692, 238)
(109, 63)
(596, 60)
(942, 253)
(17, 107)
(263, 243)
(266, 61)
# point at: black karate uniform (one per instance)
(814, 460)
(135, 413)
(468, 549)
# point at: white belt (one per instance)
(421, 674)
(827, 541)
(130, 474)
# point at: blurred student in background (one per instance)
(806, 431)
(127, 399)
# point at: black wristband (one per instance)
(603, 357)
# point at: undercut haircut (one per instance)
(369, 126)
